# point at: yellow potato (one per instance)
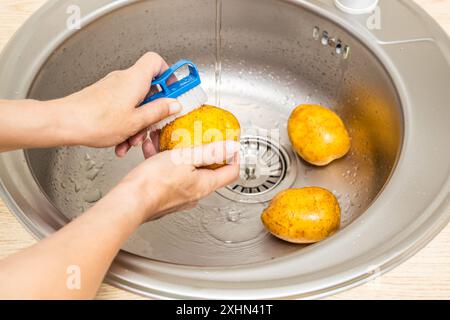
(318, 134)
(203, 125)
(304, 215)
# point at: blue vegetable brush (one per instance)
(187, 91)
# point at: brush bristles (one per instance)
(190, 100)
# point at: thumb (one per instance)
(157, 110)
(213, 153)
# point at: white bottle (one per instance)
(356, 6)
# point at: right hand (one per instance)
(175, 180)
(106, 113)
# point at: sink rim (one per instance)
(386, 261)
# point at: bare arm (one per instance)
(103, 115)
(30, 123)
(91, 242)
(87, 244)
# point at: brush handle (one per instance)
(176, 89)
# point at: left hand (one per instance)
(175, 180)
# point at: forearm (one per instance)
(88, 244)
(31, 123)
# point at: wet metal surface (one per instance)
(259, 59)
(261, 75)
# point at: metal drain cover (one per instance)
(266, 169)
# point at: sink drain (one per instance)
(266, 168)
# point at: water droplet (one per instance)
(92, 174)
(233, 215)
(234, 224)
(93, 196)
(90, 164)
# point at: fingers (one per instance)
(150, 146)
(154, 136)
(155, 111)
(220, 177)
(122, 149)
(217, 152)
(148, 149)
(149, 66)
(138, 138)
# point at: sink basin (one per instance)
(259, 59)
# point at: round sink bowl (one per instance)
(258, 59)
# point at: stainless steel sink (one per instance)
(258, 59)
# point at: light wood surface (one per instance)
(424, 276)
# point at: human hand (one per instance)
(105, 114)
(175, 180)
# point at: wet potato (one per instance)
(317, 134)
(306, 215)
(203, 125)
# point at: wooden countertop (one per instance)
(424, 276)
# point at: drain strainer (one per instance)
(266, 168)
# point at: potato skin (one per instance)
(306, 215)
(317, 134)
(215, 122)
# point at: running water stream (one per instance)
(218, 63)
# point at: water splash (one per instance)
(235, 223)
(93, 196)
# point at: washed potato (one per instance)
(203, 125)
(317, 134)
(304, 215)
